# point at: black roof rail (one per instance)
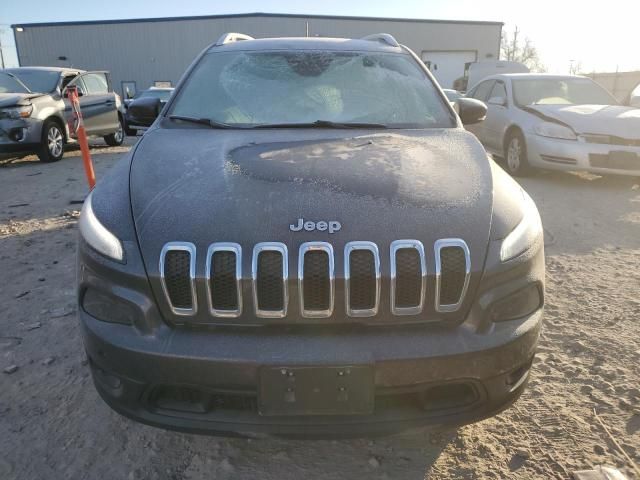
(232, 37)
(382, 38)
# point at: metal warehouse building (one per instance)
(143, 52)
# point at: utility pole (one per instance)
(1, 49)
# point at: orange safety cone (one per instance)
(76, 126)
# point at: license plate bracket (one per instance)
(347, 390)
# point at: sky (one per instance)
(600, 36)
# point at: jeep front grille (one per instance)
(408, 275)
(270, 273)
(178, 273)
(362, 279)
(452, 273)
(316, 279)
(224, 272)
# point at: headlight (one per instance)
(17, 112)
(96, 235)
(525, 234)
(554, 130)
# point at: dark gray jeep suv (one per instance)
(306, 242)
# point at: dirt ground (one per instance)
(53, 425)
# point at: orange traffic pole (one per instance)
(86, 157)
(77, 127)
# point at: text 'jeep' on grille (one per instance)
(306, 242)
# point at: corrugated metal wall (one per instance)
(151, 51)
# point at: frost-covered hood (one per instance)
(616, 120)
(203, 186)
(11, 99)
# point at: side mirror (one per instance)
(144, 111)
(500, 101)
(471, 110)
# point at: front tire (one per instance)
(51, 143)
(515, 155)
(116, 138)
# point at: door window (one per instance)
(128, 89)
(96, 83)
(499, 91)
(482, 91)
(77, 82)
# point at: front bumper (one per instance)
(19, 135)
(571, 155)
(206, 381)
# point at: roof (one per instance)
(256, 14)
(48, 69)
(535, 76)
(304, 43)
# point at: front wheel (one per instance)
(116, 138)
(515, 155)
(52, 142)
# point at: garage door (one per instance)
(447, 66)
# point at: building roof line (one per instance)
(244, 15)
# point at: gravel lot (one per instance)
(53, 424)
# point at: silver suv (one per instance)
(35, 112)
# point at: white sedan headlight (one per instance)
(526, 232)
(554, 130)
(96, 235)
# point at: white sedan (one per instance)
(557, 122)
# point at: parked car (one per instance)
(557, 122)
(474, 72)
(35, 113)
(634, 97)
(334, 256)
(132, 125)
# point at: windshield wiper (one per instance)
(322, 124)
(201, 121)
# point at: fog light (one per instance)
(516, 305)
(18, 134)
(107, 308)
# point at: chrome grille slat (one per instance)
(358, 286)
(265, 282)
(307, 291)
(174, 282)
(446, 273)
(224, 291)
(417, 247)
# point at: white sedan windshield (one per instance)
(560, 91)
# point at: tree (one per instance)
(515, 50)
